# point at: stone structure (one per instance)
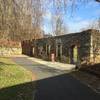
(9, 48)
(4, 51)
(75, 48)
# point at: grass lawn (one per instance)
(14, 81)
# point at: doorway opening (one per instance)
(73, 54)
(59, 52)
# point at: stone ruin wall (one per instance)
(95, 47)
(82, 40)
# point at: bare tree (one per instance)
(11, 12)
(58, 26)
(37, 17)
(97, 0)
(21, 19)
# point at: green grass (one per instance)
(11, 78)
(12, 74)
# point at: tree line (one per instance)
(22, 19)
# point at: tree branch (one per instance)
(97, 1)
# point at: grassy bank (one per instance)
(13, 81)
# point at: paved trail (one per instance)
(40, 70)
(54, 84)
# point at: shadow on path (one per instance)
(61, 87)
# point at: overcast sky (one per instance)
(82, 17)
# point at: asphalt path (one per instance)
(53, 84)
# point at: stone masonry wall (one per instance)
(5, 51)
(95, 46)
(62, 47)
